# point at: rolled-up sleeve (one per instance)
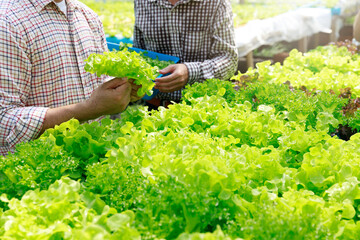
(222, 62)
(18, 121)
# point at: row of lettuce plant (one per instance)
(328, 68)
(316, 110)
(307, 86)
(203, 169)
(251, 162)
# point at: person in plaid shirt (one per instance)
(43, 83)
(199, 32)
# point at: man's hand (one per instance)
(177, 79)
(109, 98)
(134, 89)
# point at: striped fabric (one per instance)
(199, 32)
(42, 56)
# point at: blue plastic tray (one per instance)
(118, 40)
(113, 46)
(152, 55)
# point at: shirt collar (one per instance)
(40, 4)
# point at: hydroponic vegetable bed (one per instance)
(249, 159)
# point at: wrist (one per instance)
(55, 116)
(193, 71)
(84, 111)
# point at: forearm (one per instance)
(56, 116)
(223, 57)
(222, 60)
(112, 97)
(22, 124)
(224, 66)
(220, 67)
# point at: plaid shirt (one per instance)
(42, 56)
(199, 32)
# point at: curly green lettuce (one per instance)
(124, 63)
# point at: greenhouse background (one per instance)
(270, 24)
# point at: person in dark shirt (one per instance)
(199, 32)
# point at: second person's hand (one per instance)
(177, 79)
